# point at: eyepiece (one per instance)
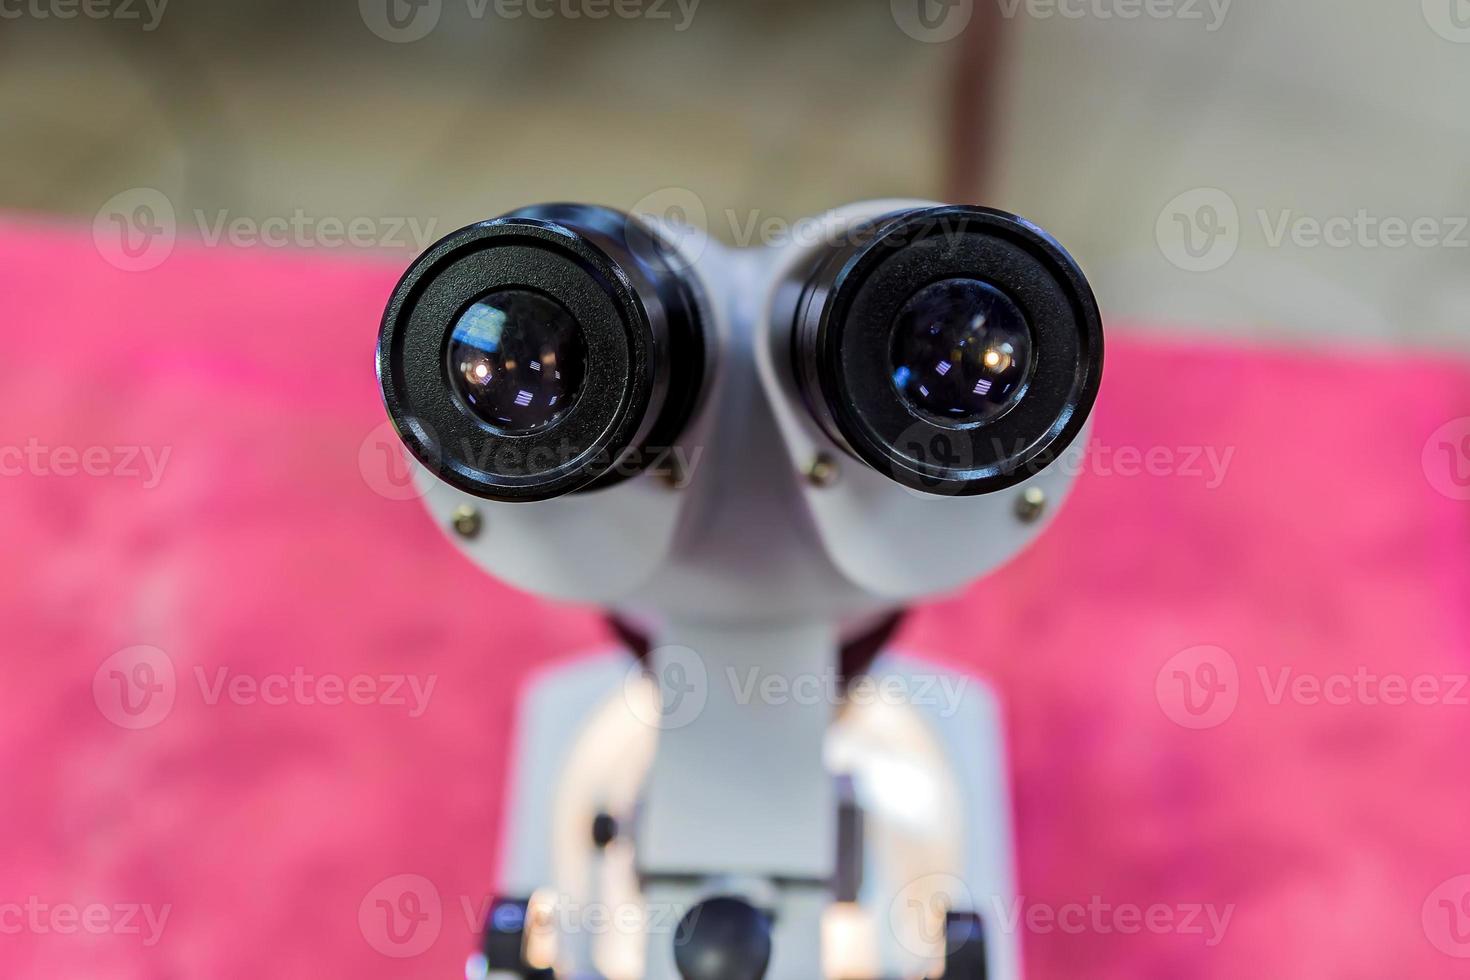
(956, 349)
(552, 350)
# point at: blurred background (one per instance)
(1299, 143)
(1286, 182)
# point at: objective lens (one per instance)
(517, 359)
(960, 352)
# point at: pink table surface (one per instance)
(1332, 830)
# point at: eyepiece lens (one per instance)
(961, 352)
(516, 359)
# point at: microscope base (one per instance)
(924, 843)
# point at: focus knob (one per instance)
(723, 939)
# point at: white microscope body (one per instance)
(867, 819)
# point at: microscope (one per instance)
(753, 460)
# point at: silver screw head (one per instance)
(467, 522)
(822, 471)
(1031, 505)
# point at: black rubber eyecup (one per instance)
(844, 329)
(624, 328)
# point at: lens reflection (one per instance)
(517, 358)
(961, 352)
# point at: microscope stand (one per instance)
(871, 833)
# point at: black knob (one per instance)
(504, 941)
(723, 939)
(964, 947)
(604, 830)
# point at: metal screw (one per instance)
(467, 522)
(822, 471)
(672, 474)
(1031, 505)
